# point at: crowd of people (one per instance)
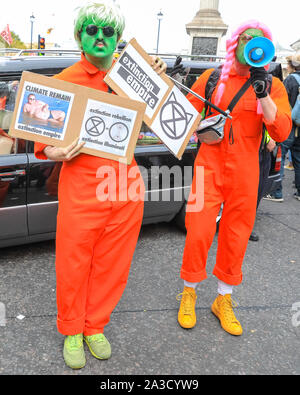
(291, 146)
(96, 241)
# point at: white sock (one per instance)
(190, 285)
(224, 289)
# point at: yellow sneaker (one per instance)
(187, 315)
(99, 346)
(73, 352)
(223, 309)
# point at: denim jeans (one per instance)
(292, 144)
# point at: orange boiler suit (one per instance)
(231, 176)
(95, 241)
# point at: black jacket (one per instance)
(292, 88)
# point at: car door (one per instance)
(167, 179)
(42, 199)
(13, 171)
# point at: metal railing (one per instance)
(16, 53)
(212, 58)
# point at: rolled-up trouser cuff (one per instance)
(227, 278)
(92, 331)
(193, 277)
(71, 328)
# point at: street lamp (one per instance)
(159, 17)
(32, 18)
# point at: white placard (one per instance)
(138, 80)
(107, 128)
(44, 111)
(174, 121)
(168, 112)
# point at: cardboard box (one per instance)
(56, 112)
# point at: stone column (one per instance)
(206, 29)
(209, 4)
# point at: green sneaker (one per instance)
(74, 352)
(99, 346)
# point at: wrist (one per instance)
(46, 149)
(262, 95)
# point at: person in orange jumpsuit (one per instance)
(97, 231)
(231, 176)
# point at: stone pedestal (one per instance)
(206, 29)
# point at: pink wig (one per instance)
(231, 46)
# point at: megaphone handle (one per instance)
(259, 86)
(225, 113)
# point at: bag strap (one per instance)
(210, 87)
(240, 93)
(297, 77)
(212, 83)
(233, 103)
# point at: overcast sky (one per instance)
(141, 19)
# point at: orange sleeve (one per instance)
(199, 88)
(280, 129)
(39, 151)
(39, 147)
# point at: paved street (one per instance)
(144, 333)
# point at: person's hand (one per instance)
(271, 145)
(179, 72)
(158, 65)
(66, 154)
(177, 68)
(259, 81)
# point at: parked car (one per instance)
(28, 186)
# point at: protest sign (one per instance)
(168, 113)
(56, 112)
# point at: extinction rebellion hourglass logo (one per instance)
(95, 126)
(118, 132)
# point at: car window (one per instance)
(147, 137)
(9, 145)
